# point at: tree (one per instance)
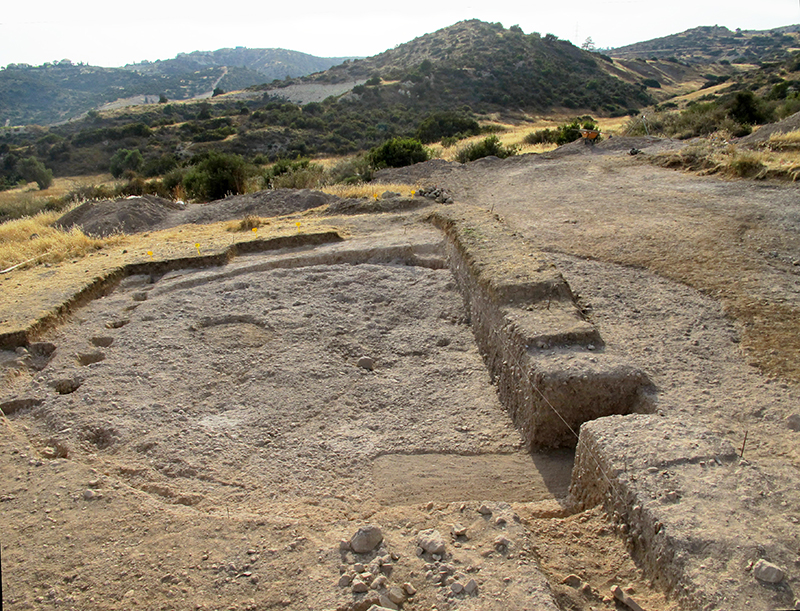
(33, 170)
(217, 175)
(588, 44)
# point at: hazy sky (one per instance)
(116, 33)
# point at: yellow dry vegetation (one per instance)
(368, 190)
(788, 140)
(35, 240)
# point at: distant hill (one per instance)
(61, 91)
(270, 64)
(486, 67)
(711, 44)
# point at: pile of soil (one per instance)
(278, 202)
(126, 215)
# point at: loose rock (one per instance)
(366, 539)
(397, 595)
(767, 572)
(573, 581)
(359, 587)
(431, 541)
(793, 422)
(367, 363)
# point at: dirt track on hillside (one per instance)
(227, 438)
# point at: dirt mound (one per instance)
(262, 203)
(126, 215)
(762, 135)
(413, 173)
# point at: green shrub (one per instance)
(33, 170)
(216, 175)
(446, 124)
(490, 146)
(125, 160)
(397, 153)
(297, 174)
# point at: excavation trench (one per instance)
(397, 369)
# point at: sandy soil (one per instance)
(205, 439)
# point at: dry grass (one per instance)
(786, 141)
(35, 240)
(367, 190)
(248, 223)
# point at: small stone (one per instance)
(359, 587)
(88, 358)
(501, 544)
(458, 530)
(139, 296)
(671, 496)
(456, 587)
(345, 580)
(431, 541)
(419, 551)
(429, 506)
(367, 363)
(485, 510)
(471, 586)
(359, 567)
(573, 581)
(767, 572)
(378, 582)
(397, 595)
(90, 495)
(385, 603)
(344, 545)
(793, 422)
(366, 539)
(409, 588)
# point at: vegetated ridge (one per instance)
(709, 44)
(488, 68)
(60, 91)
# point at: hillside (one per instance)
(488, 68)
(62, 91)
(711, 44)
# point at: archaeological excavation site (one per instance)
(411, 407)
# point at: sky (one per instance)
(113, 34)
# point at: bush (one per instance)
(33, 170)
(487, 147)
(398, 153)
(351, 171)
(125, 160)
(446, 124)
(216, 175)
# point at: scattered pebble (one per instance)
(793, 422)
(485, 510)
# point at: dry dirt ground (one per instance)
(205, 438)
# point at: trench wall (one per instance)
(548, 363)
